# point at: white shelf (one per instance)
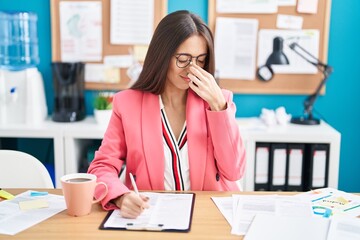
(71, 138)
(254, 131)
(48, 129)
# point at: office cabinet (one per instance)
(253, 132)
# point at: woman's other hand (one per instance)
(204, 84)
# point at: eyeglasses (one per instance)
(183, 60)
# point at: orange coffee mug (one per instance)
(78, 190)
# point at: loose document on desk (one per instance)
(335, 216)
(329, 202)
(13, 219)
(167, 212)
(240, 210)
(299, 228)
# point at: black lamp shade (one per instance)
(277, 57)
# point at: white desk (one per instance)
(70, 140)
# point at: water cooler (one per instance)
(22, 96)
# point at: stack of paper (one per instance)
(299, 228)
(329, 212)
(240, 210)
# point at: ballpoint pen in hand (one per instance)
(134, 184)
(145, 205)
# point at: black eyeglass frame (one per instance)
(189, 60)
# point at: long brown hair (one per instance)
(172, 30)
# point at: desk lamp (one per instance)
(266, 73)
(277, 57)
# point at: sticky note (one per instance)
(33, 204)
(289, 21)
(307, 6)
(112, 75)
(6, 195)
(35, 194)
(342, 200)
(140, 52)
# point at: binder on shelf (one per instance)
(262, 158)
(295, 167)
(317, 161)
(278, 162)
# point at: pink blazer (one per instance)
(134, 135)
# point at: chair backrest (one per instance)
(21, 170)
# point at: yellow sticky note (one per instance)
(33, 204)
(112, 75)
(140, 52)
(342, 200)
(6, 195)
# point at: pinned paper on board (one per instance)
(102, 73)
(286, 2)
(307, 6)
(246, 6)
(235, 47)
(131, 22)
(80, 31)
(140, 52)
(308, 39)
(289, 22)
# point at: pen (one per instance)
(134, 184)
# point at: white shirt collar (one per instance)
(161, 103)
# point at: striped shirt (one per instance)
(176, 175)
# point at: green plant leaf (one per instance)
(102, 103)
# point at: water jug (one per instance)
(18, 40)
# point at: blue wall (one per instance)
(340, 105)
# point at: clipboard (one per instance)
(168, 212)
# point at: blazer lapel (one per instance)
(152, 140)
(197, 139)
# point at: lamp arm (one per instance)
(310, 100)
(324, 68)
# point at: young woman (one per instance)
(175, 129)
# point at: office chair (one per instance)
(21, 170)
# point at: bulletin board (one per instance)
(160, 10)
(281, 83)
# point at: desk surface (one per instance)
(207, 223)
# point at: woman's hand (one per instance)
(204, 84)
(131, 204)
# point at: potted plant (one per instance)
(103, 107)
